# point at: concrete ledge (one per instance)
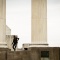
(27, 45)
(5, 49)
(3, 45)
(33, 54)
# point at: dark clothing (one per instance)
(15, 41)
(14, 46)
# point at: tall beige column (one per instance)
(3, 23)
(39, 21)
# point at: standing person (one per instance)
(15, 41)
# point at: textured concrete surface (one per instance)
(3, 23)
(30, 54)
(9, 40)
(39, 21)
(3, 53)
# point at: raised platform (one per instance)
(32, 53)
(3, 53)
(28, 45)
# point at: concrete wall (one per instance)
(9, 40)
(31, 54)
(3, 23)
(39, 21)
(28, 45)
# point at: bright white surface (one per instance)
(19, 20)
(53, 22)
(18, 16)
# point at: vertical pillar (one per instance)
(3, 23)
(39, 21)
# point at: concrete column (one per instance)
(3, 23)
(39, 21)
